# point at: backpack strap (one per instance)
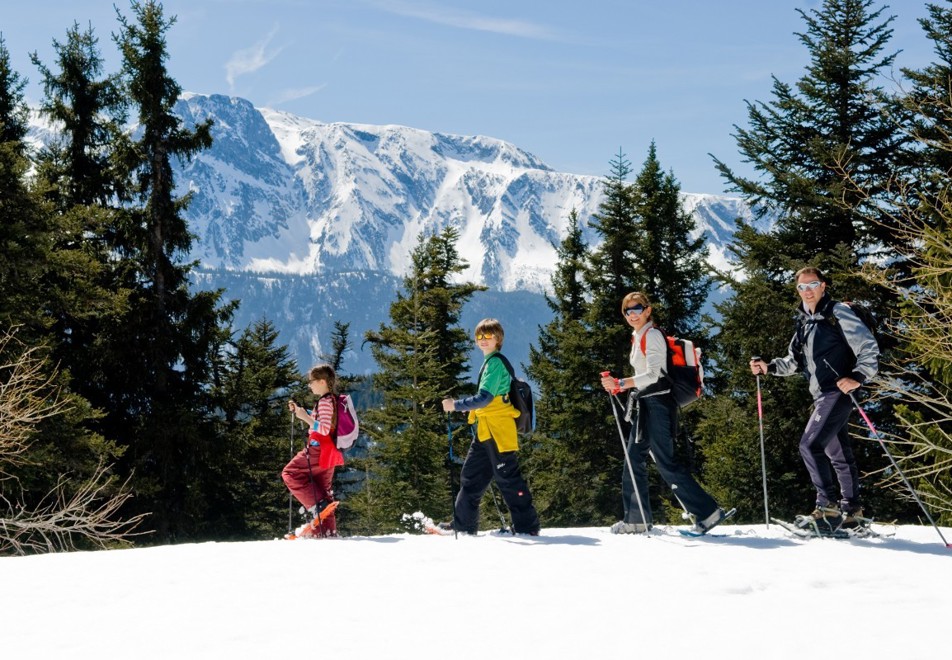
(829, 319)
(664, 380)
(335, 403)
(644, 339)
(798, 337)
(505, 362)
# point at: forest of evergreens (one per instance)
(133, 411)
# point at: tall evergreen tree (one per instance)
(163, 351)
(13, 110)
(672, 262)
(245, 495)
(76, 174)
(828, 121)
(805, 145)
(566, 458)
(926, 104)
(614, 266)
(646, 245)
(25, 234)
(422, 356)
(614, 269)
(37, 276)
(89, 109)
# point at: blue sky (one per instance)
(571, 81)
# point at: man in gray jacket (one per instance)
(837, 353)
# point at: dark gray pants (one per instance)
(484, 463)
(654, 431)
(826, 450)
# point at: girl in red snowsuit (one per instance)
(310, 473)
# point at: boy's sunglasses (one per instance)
(481, 336)
(809, 285)
(637, 309)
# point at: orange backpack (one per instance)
(684, 369)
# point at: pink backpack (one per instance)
(348, 428)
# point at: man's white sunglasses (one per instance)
(809, 285)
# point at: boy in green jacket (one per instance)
(493, 453)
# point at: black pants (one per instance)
(826, 450)
(654, 432)
(483, 464)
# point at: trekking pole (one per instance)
(449, 441)
(892, 460)
(492, 489)
(290, 494)
(310, 476)
(685, 514)
(502, 520)
(612, 398)
(763, 454)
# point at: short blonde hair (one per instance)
(811, 270)
(634, 298)
(491, 327)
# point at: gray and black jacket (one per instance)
(829, 344)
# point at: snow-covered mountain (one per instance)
(307, 222)
(283, 194)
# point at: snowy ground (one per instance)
(578, 594)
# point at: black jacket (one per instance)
(829, 344)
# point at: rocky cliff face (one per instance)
(280, 193)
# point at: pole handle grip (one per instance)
(617, 389)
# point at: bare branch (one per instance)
(67, 518)
(71, 522)
(27, 397)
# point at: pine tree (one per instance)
(927, 108)
(673, 263)
(13, 110)
(75, 173)
(565, 460)
(36, 276)
(828, 121)
(614, 269)
(614, 266)
(646, 245)
(339, 345)
(25, 233)
(89, 109)
(812, 147)
(162, 353)
(421, 355)
(244, 493)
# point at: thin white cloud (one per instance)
(468, 20)
(249, 60)
(295, 93)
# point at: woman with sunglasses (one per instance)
(835, 350)
(493, 453)
(655, 428)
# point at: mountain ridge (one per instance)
(280, 193)
(307, 222)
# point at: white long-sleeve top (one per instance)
(648, 366)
